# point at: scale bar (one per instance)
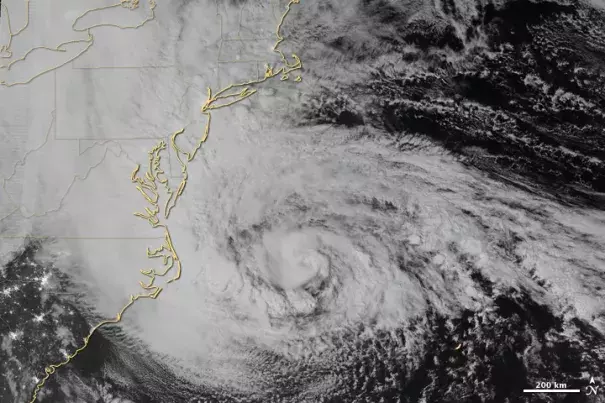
(551, 390)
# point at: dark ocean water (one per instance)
(518, 93)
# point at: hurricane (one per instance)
(420, 219)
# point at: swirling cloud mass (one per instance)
(419, 220)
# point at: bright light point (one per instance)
(44, 280)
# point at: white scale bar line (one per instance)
(551, 390)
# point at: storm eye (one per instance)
(293, 259)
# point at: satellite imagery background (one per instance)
(292, 201)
